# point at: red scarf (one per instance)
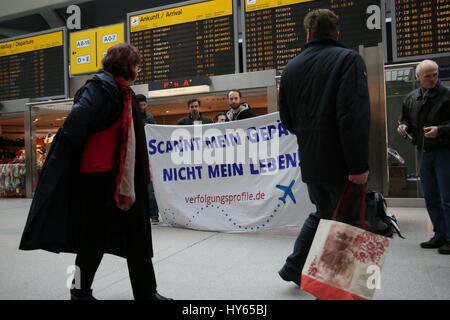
(124, 194)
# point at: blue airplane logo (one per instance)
(287, 192)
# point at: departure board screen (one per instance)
(190, 40)
(33, 67)
(275, 34)
(421, 29)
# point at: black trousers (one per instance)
(94, 228)
(152, 204)
(325, 198)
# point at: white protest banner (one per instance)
(239, 176)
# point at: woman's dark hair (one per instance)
(121, 60)
(140, 98)
(216, 117)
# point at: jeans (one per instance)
(325, 198)
(435, 180)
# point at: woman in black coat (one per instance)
(91, 196)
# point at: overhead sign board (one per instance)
(33, 66)
(274, 31)
(420, 29)
(184, 40)
(88, 47)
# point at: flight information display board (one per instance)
(274, 32)
(33, 66)
(421, 29)
(182, 41)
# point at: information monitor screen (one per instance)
(33, 66)
(421, 29)
(195, 39)
(274, 31)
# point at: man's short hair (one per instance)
(424, 62)
(193, 100)
(323, 23)
(234, 90)
(140, 98)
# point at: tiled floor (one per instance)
(208, 265)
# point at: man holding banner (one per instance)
(324, 100)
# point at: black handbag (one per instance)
(372, 214)
(378, 219)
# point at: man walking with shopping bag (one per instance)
(324, 100)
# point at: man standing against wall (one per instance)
(426, 116)
(146, 115)
(324, 100)
(194, 114)
(238, 109)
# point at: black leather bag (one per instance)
(372, 214)
(378, 219)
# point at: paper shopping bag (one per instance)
(344, 262)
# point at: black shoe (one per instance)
(445, 249)
(78, 295)
(155, 221)
(157, 296)
(288, 275)
(433, 243)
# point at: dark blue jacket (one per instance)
(324, 100)
(53, 222)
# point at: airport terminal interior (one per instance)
(203, 49)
